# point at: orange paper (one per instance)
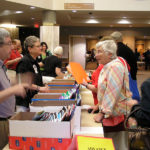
(78, 72)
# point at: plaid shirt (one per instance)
(113, 88)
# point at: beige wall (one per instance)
(116, 5)
(130, 41)
(48, 4)
(14, 32)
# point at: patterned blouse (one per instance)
(113, 88)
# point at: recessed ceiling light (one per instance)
(74, 11)
(124, 21)
(19, 12)
(32, 7)
(92, 21)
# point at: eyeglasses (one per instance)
(38, 46)
(9, 43)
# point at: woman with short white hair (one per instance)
(113, 93)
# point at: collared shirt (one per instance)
(113, 88)
(28, 64)
(14, 54)
(7, 107)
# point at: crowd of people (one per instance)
(113, 96)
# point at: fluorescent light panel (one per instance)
(8, 25)
(123, 21)
(92, 21)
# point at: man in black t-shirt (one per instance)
(52, 64)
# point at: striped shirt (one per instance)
(113, 88)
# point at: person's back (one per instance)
(142, 115)
(51, 63)
(125, 52)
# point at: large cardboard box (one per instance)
(22, 125)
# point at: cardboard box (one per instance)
(56, 91)
(22, 125)
(49, 106)
(31, 143)
(61, 86)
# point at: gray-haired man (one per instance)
(7, 100)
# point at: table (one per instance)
(88, 126)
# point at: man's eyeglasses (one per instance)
(38, 46)
(9, 43)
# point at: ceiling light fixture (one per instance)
(19, 12)
(92, 21)
(123, 21)
(32, 18)
(8, 25)
(74, 11)
(32, 7)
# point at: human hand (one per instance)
(20, 89)
(84, 83)
(44, 89)
(132, 123)
(94, 109)
(99, 117)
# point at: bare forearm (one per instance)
(6, 94)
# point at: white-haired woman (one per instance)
(113, 93)
(52, 64)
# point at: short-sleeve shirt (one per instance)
(7, 107)
(50, 64)
(14, 54)
(28, 64)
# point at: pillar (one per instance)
(49, 31)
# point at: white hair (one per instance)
(58, 50)
(117, 36)
(108, 46)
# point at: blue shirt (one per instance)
(7, 107)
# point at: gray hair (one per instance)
(108, 46)
(58, 50)
(29, 41)
(3, 34)
(117, 36)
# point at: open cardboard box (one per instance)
(61, 83)
(63, 80)
(49, 106)
(45, 102)
(56, 91)
(61, 86)
(22, 125)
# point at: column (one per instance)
(49, 31)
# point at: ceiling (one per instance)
(29, 17)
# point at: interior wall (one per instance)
(91, 44)
(78, 50)
(129, 34)
(14, 32)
